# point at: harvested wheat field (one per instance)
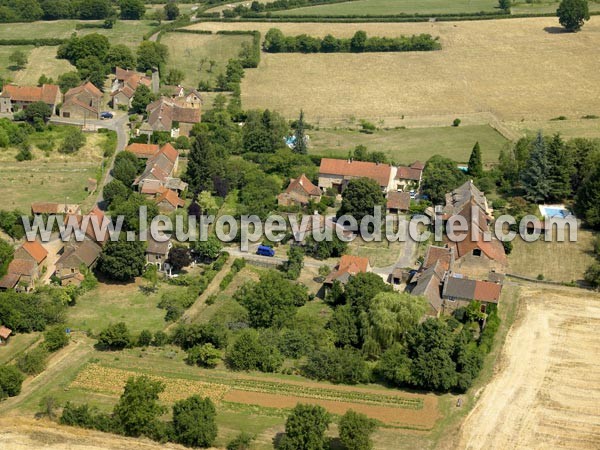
(547, 392)
(514, 69)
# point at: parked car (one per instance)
(265, 250)
(106, 115)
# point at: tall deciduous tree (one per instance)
(475, 162)
(171, 10)
(535, 177)
(122, 260)
(572, 14)
(440, 175)
(151, 55)
(305, 428)
(203, 164)
(132, 9)
(355, 431)
(138, 409)
(141, 99)
(194, 422)
(360, 198)
(18, 59)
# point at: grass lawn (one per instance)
(111, 303)
(557, 261)
(186, 51)
(540, 7)
(5, 52)
(128, 32)
(380, 254)
(392, 7)
(49, 177)
(42, 61)
(404, 146)
(569, 128)
(17, 344)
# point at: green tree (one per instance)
(68, 80)
(38, 111)
(125, 167)
(305, 428)
(114, 337)
(174, 77)
(203, 164)
(122, 260)
(194, 422)
(55, 338)
(241, 442)
(362, 288)
(33, 362)
(115, 190)
(295, 262)
(360, 198)
(249, 352)
(592, 274)
(73, 141)
(132, 9)
(138, 410)
(145, 338)
(272, 301)
(504, 5)
(210, 248)
(141, 99)
(572, 14)
(535, 177)
(355, 431)
(205, 355)
(120, 55)
(394, 365)
(475, 162)
(561, 169)
(358, 41)
(91, 68)
(344, 325)
(10, 381)
(94, 9)
(151, 55)
(441, 175)
(171, 10)
(587, 201)
(338, 365)
(18, 59)
(300, 144)
(179, 257)
(6, 256)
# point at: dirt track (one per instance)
(547, 393)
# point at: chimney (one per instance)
(155, 81)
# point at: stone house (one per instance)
(16, 98)
(82, 102)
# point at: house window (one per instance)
(477, 252)
(66, 114)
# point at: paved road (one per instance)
(117, 124)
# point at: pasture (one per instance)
(192, 54)
(404, 146)
(42, 61)
(50, 176)
(393, 7)
(510, 69)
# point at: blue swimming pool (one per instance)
(555, 212)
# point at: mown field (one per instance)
(392, 7)
(186, 51)
(511, 69)
(51, 177)
(572, 127)
(41, 61)
(542, 7)
(404, 146)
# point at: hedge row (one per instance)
(277, 5)
(37, 42)
(277, 42)
(252, 59)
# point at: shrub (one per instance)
(55, 338)
(145, 338)
(338, 366)
(160, 339)
(456, 122)
(241, 442)
(33, 362)
(203, 355)
(114, 337)
(10, 381)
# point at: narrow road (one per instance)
(119, 125)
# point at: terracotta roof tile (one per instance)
(5, 332)
(9, 280)
(47, 93)
(356, 169)
(36, 250)
(408, 173)
(143, 150)
(398, 200)
(305, 184)
(22, 267)
(170, 197)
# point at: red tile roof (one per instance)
(305, 184)
(486, 291)
(169, 151)
(87, 87)
(398, 200)
(36, 250)
(356, 169)
(443, 255)
(47, 93)
(22, 267)
(5, 332)
(9, 280)
(143, 150)
(418, 165)
(408, 173)
(171, 197)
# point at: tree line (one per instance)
(277, 42)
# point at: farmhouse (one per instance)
(16, 98)
(347, 267)
(467, 193)
(397, 202)
(299, 192)
(82, 102)
(336, 173)
(93, 223)
(34, 251)
(20, 276)
(157, 252)
(409, 178)
(125, 84)
(168, 115)
(75, 256)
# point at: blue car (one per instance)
(106, 115)
(265, 250)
